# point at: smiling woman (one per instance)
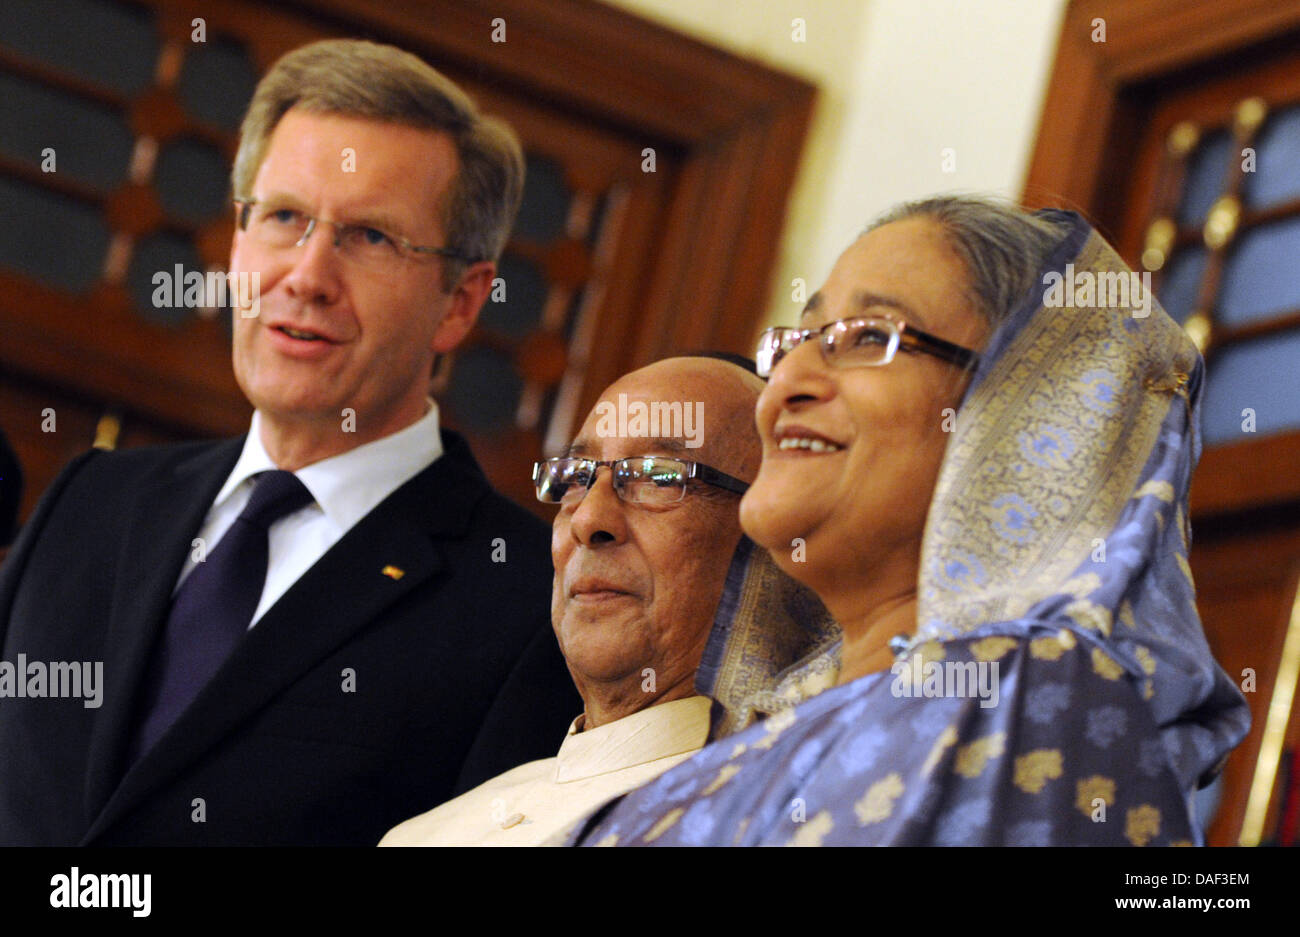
(1004, 550)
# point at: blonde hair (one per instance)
(355, 78)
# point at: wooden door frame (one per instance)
(1098, 96)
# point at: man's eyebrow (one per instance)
(581, 448)
(379, 218)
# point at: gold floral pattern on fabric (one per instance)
(726, 774)
(1052, 646)
(814, 831)
(1126, 615)
(945, 741)
(1142, 824)
(878, 802)
(1091, 789)
(1048, 449)
(1145, 660)
(1089, 615)
(971, 759)
(775, 725)
(1156, 488)
(738, 750)
(610, 840)
(1105, 666)
(991, 649)
(665, 824)
(1034, 769)
(773, 646)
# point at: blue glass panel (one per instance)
(1261, 277)
(1262, 375)
(485, 389)
(1203, 183)
(50, 237)
(545, 206)
(110, 43)
(192, 179)
(1181, 283)
(217, 82)
(160, 253)
(90, 143)
(521, 312)
(1276, 177)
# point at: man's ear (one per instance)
(463, 305)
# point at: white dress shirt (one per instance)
(345, 487)
(538, 802)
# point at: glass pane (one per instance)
(51, 237)
(1262, 275)
(546, 201)
(91, 143)
(192, 180)
(1276, 178)
(1206, 170)
(1260, 378)
(485, 389)
(217, 82)
(1182, 282)
(156, 296)
(113, 44)
(525, 289)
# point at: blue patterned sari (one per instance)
(1059, 689)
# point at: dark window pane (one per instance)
(525, 286)
(1263, 376)
(1182, 282)
(485, 389)
(110, 43)
(1276, 178)
(51, 237)
(1206, 171)
(90, 143)
(192, 180)
(546, 201)
(1262, 276)
(217, 82)
(160, 254)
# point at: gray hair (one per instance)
(1002, 246)
(355, 78)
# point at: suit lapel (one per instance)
(341, 594)
(163, 521)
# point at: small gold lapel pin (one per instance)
(392, 572)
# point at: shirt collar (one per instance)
(348, 486)
(672, 728)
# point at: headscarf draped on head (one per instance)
(1059, 688)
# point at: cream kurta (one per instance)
(532, 803)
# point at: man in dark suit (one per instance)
(306, 634)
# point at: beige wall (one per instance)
(900, 81)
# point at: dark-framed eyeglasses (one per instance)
(863, 341)
(649, 479)
(279, 226)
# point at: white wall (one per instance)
(899, 82)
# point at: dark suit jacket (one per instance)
(273, 750)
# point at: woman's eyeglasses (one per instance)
(862, 342)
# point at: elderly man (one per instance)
(641, 545)
(295, 637)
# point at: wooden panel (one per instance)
(1108, 110)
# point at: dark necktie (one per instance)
(213, 608)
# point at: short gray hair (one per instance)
(355, 78)
(1002, 246)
